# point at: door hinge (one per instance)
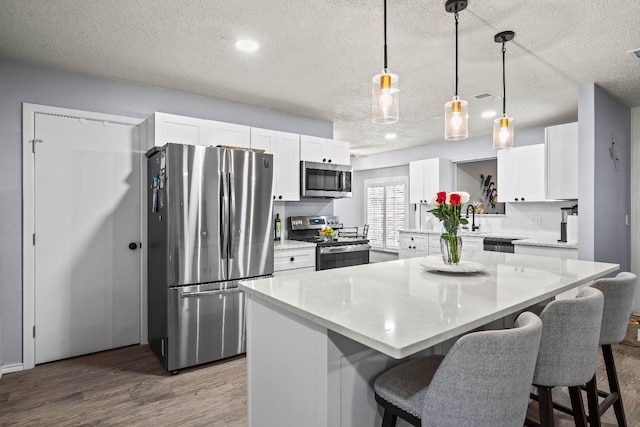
(34, 239)
(33, 143)
(34, 331)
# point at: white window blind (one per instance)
(386, 211)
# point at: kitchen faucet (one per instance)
(474, 227)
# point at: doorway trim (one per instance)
(28, 219)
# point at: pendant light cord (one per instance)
(456, 16)
(504, 84)
(385, 35)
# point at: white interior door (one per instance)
(86, 213)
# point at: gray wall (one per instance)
(605, 191)
(25, 83)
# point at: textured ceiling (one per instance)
(317, 58)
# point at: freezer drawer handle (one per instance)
(216, 292)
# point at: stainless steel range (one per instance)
(330, 253)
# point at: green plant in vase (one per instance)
(447, 207)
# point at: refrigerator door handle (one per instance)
(232, 214)
(214, 292)
(224, 215)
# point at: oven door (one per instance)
(325, 180)
(328, 257)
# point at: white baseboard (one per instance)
(14, 367)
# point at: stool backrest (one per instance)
(618, 303)
(570, 337)
(485, 379)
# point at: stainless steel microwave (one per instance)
(325, 180)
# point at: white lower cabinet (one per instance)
(434, 244)
(292, 261)
(472, 243)
(413, 245)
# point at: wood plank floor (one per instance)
(128, 386)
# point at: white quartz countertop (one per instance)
(548, 243)
(399, 309)
(292, 244)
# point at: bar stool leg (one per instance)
(545, 405)
(614, 387)
(577, 406)
(389, 419)
(592, 402)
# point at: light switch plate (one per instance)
(638, 334)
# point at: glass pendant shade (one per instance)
(456, 119)
(384, 97)
(502, 133)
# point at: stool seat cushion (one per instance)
(406, 385)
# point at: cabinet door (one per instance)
(263, 139)
(176, 129)
(562, 161)
(286, 167)
(338, 152)
(312, 149)
(416, 182)
(508, 175)
(229, 134)
(437, 177)
(533, 173)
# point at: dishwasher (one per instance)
(498, 244)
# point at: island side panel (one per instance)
(286, 368)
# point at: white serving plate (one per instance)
(435, 263)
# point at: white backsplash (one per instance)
(539, 219)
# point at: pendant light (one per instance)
(455, 111)
(384, 91)
(503, 127)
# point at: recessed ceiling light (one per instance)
(247, 45)
(488, 114)
(390, 136)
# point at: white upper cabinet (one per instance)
(228, 134)
(522, 174)
(285, 148)
(428, 177)
(562, 161)
(192, 131)
(322, 150)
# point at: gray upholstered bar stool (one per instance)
(568, 351)
(484, 380)
(618, 303)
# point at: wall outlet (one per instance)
(638, 334)
(536, 219)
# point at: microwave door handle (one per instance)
(341, 181)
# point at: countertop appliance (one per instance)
(566, 212)
(330, 252)
(210, 225)
(499, 244)
(325, 180)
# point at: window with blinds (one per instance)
(386, 211)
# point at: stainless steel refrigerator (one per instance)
(209, 226)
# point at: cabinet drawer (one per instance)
(291, 259)
(418, 240)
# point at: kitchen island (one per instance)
(316, 341)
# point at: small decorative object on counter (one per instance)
(327, 232)
(448, 209)
(278, 228)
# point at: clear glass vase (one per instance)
(451, 247)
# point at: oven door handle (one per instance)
(344, 249)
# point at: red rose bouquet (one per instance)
(448, 209)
